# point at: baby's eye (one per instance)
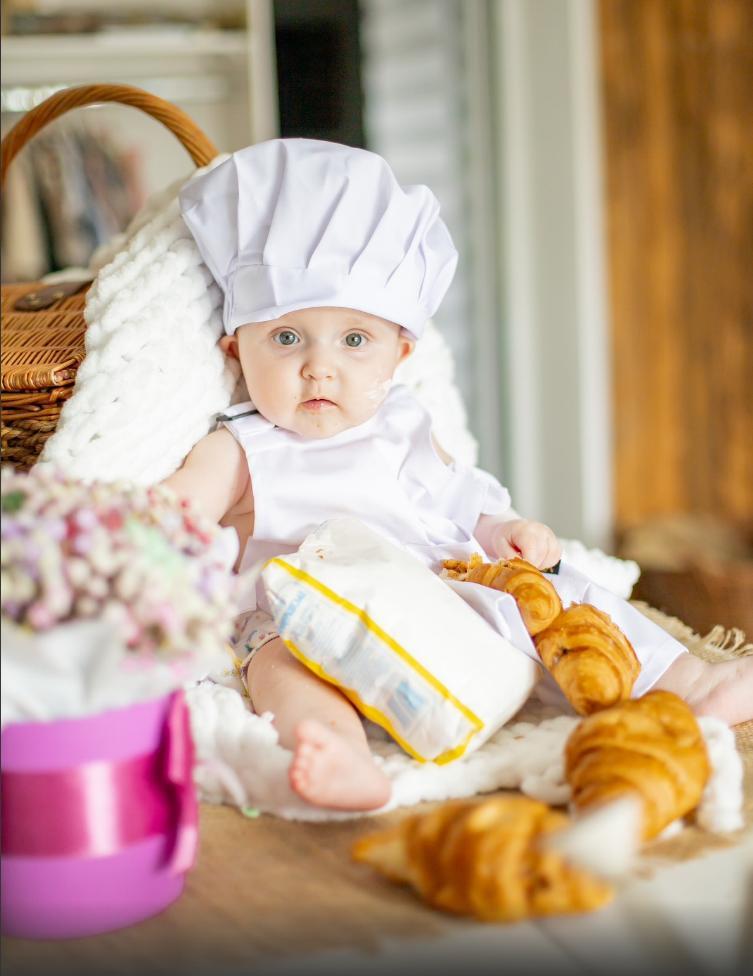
(355, 340)
(286, 338)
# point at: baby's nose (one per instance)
(318, 367)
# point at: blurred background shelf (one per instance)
(224, 79)
(208, 74)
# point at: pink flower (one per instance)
(137, 556)
(40, 616)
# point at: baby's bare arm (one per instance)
(214, 476)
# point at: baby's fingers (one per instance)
(506, 550)
(538, 544)
(535, 553)
(553, 554)
(530, 547)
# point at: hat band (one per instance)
(260, 293)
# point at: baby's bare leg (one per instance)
(332, 765)
(723, 689)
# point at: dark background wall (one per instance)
(318, 69)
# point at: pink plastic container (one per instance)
(99, 819)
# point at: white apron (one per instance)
(387, 473)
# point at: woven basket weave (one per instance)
(43, 346)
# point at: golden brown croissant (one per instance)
(652, 747)
(534, 594)
(484, 859)
(589, 657)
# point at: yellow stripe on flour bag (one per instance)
(392, 721)
(410, 655)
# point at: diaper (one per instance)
(407, 651)
(252, 631)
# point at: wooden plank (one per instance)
(677, 100)
(265, 889)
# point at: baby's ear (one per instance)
(229, 345)
(407, 345)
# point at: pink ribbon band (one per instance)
(96, 809)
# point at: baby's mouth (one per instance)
(316, 404)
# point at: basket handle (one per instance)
(200, 148)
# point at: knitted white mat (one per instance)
(242, 763)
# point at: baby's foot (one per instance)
(723, 689)
(328, 771)
(729, 694)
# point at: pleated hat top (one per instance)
(300, 223)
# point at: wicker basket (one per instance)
(43, 325)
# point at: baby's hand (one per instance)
(533, 541)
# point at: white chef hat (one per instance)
(297, 223)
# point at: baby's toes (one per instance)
(300, 767)
(299, 781)
(313, 735)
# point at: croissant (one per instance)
(537, 600)
(484, 859)
(589, 657)
(651, 746)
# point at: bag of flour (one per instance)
(409, 653)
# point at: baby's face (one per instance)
(319, 371)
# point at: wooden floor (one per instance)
(265, 889)
(261, 888)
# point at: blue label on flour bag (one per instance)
(405, 702)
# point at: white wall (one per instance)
(551, 257)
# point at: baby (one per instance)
(330, 270)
